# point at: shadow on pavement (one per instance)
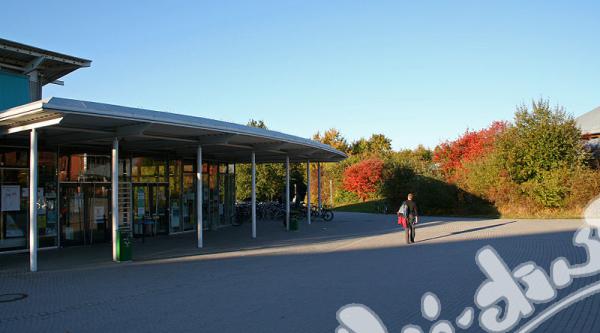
(467, 231)
(288, 291)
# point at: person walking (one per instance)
(409, 213)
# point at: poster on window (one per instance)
(175, 215)
(141, 202)
(11, 199)
(99, 214)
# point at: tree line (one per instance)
(533, 166)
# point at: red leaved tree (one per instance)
(364, 177)
(451, 155)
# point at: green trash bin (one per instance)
(293, 223)
(124, 244)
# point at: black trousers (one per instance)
(410, 231)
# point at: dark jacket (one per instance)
(412, 209)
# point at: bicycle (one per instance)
(324, 213)
(242, 213)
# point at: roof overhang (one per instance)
(24, 59)
(589, 123)
(74, 124)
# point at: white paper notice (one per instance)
(99, 216)
(11, 198)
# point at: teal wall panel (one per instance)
(14, 90)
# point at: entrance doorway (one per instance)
(150, 209)
(85, 213)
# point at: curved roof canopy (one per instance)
(75, 124)
(589, 123)
(23, 59)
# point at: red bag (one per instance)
(402, 220)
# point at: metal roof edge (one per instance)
(110, 110)
(23, 109)
(36, 51)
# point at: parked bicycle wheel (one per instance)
(327, 215)
(242, 213)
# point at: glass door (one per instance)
(160, 213)
(213, 199)
(72, 215)
(150, 202)
(142, 218)
(84, 214)
(189, 202)
(98, 222)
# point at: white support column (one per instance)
(33, 184)
(320, 205)
(115, 195)
(308, 209)
(253, 195)
(287, 193)
(199, 217)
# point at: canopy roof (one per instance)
(21, 58)
(82, 125)
(589, 122)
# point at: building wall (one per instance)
(14, 90)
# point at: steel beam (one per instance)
(215, 139)
(86, 136)
(33, 65)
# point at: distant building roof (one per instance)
(589, 122)
(21, 58)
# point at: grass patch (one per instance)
(373, 206)
(378, 207)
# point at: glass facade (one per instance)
(14, 206)
(188, 197)
(74, 197)
(151, 186)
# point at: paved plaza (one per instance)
(283, 281)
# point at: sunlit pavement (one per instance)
(282, 281)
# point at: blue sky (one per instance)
(418, 72)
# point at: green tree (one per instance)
(334, 138)
(270, 177)
(540, 149)
(542, 139)
(377, 144)
(257, 123)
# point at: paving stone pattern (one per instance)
(282, 281)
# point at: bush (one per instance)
(452, 155)
(434, 196)
(364, 178)
(343, 197)
(541, 140)
(549, 188)
(481, 176)
(534, 167)
(584, 185)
